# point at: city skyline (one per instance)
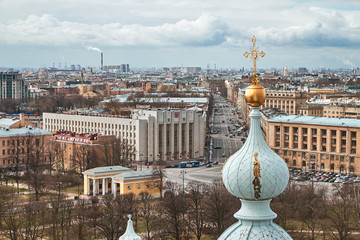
(295, 34)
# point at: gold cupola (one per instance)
(254, 94)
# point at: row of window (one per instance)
(147, 186)
(322, 166)
(314, 131)
(90, 124)
(322, 156)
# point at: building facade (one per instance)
(287, 101)
(19, 144)
(77, 151)
(12, 86)
(320, 143)
(155, 134)
(120, 180)
(341, 111)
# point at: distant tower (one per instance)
(286, 71)
(102, 61)
(255, 174)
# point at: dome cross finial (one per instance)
(254, 54)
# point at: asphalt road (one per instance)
(222, 119)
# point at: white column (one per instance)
(179, 137)
(88, 186)
(171, 136)
(164, 139)
(103, 186)
(156, 140)
(113, 188)
(187, 147)
(106, 185)
(94, 187)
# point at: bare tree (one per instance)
(220, 207)
(146, 212)
(33, 221)
(84, 157)
(173, 208)
(58, 155)
(356, 192)
(117, 152)
(159, 172)
(340, 212)
(35, 155)
(311, 209)
(80, 225)
(111, 219)
(11, 221)
(196, 200)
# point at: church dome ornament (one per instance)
(255, 174)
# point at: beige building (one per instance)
(337, 111)
(120, 180)
(18, 144)
(327, 144)
(287, 101)
(156, 134)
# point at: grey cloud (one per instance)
(47, 30)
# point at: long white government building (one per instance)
(165, 134)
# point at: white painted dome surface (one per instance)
(251, 230)
(130, 233)
(238, 174)
(238, 171)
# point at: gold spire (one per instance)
(255, 94)
(255, 54)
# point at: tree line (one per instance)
(203, 211)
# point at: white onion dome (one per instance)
(130, 232)
(255, 172)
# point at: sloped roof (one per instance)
(24, 131)
(106, 170)
(340, 122)
(7, 122)
(133, 175)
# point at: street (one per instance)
(226, 138)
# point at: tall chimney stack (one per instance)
(102, 61)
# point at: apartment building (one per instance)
(287, 101)
(341, 111)
(327, 144)
(163, 134)
(77, 151)
(12, 86)
(19, 144)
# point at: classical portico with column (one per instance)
(99, 180)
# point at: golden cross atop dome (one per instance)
(255, 54)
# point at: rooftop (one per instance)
(340, 122)
(24, 131)
(7, 122)
(106, 170)
(134, 175)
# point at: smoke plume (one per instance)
(93, 49)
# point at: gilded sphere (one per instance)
(255, 95)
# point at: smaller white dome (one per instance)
(130, 232)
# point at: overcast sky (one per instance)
(156, 33)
